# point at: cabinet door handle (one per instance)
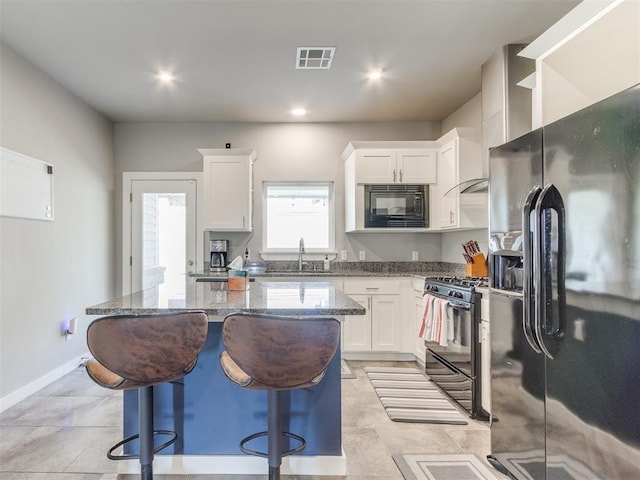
(243, 220)
(372, 288)
(401, 176)
(394, 175)
(451, 217)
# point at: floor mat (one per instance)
(445, 466)
(408, 396)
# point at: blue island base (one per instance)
(211, 415)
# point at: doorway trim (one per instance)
(127, 178)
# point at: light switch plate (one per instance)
(361, 255)
(343, 255)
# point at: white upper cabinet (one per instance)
(593, 52)
(374, 166)
(385, 163)
(443, 164)
(460, 160)
(417, 166)
(228, 188)
(392, 162)
(447, 179)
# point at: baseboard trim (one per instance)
(39, 383)
(333, 465)
(385, 356)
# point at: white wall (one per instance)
(294, 151)
(51, 271)
(468, 115)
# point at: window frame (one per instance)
(292, 253)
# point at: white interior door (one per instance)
(162, 236)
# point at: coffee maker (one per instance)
(218, 251)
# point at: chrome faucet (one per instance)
(300, 253)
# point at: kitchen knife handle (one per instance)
(528, 297)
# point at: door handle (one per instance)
(394, 175)
(528, 292)
(548, 201)
(400, 175)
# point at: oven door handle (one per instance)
(458, 305)
(528, 290)
(466, 307)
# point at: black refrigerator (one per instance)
(564, 261)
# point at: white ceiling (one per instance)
(234, 60)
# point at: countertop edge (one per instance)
(221, 312)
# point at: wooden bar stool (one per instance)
(273, 353)
(141, 351)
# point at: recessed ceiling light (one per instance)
(375, 74)
(298, 112)
(165, 77)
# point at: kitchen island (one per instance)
(212, 415)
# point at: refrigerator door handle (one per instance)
(528, 291)
(549, 200)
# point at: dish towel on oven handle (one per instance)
(437, 321)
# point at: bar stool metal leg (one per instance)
(145, 415)
(274, 436)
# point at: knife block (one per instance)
(479, 266)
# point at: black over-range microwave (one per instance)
(396, 206)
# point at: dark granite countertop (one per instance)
(304, 298)
(356, 269)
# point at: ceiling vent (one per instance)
(314, 58)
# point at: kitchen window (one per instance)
(295, 210)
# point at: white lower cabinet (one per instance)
(418, 306)
(385, 323)
(356, 330)
(379, 329)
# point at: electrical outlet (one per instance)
(344, 255)
(414, 256)
(578, 330)
(361, 255)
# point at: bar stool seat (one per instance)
(275, 353)
(138, 352)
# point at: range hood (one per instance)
(475, 185)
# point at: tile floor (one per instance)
(63, 431)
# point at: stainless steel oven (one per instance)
(396, 206)
(453, 360)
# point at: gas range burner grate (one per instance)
(464, 281)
